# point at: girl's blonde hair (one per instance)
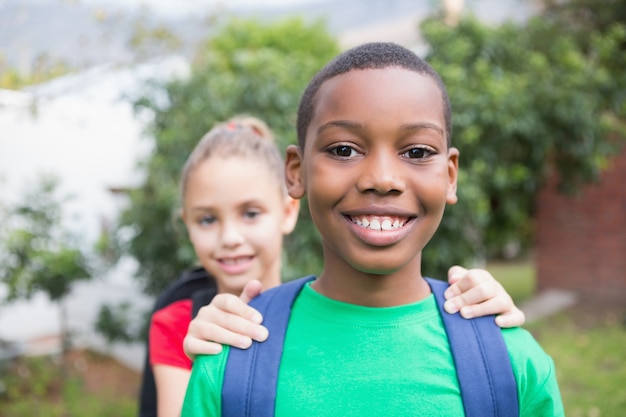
(240, 136)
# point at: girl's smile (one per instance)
(235, 265)
(236, 215)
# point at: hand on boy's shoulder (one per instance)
(476, 293)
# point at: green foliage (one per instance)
(581, 17)
(247, 67)
(37, 253)
(521, 107)
(42, 69)
(150, 38)
(116, 325)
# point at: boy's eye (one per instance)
(343, 151)
(418, 153)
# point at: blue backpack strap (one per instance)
(478, 349)
(483, 367)
(251, 375)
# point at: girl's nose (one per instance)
(231, 234)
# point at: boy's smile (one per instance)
(378, 173)
(379, 230)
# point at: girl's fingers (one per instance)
(498, 299)
(493, 306)
(250, 290)
(224, 305)
(476, 293)
(228, 314)
(513, 318)
(462, 280)
(193, 346)
(455, 273)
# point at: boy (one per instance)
(365, 338)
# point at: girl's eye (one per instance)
(206, 220)
(418, 153)
(343, 151)
(250, 214)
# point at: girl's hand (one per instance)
(475, 293)
(226, 320)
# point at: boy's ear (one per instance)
(453, 173)
(292, 209)
(293, 172)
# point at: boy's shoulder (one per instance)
(526, 353)
(523, 346)
(535, 373)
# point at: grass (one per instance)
(590, 364)
(34, 386)
(517, 277)
(586, 342)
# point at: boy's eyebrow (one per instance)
(339, 123)
(354, 125)
(420, 126)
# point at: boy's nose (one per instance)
(381, 174)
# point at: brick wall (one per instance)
(581, 241)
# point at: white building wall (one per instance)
(81, 129)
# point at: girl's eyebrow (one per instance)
(200, 208)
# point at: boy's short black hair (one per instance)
(375, 55)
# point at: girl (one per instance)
(236, 209)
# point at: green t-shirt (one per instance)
(347, 360)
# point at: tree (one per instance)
(43, 68)
(246, 67)
(38, 254)
(581, 17)
(521, 108)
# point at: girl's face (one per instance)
(236, 217)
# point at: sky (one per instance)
(181, 7)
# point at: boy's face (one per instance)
(376, 169)
(236, 217)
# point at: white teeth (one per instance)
(379, 224)
(234, 261)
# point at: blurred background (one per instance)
(102, 101)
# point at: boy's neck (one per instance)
(343, 283)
